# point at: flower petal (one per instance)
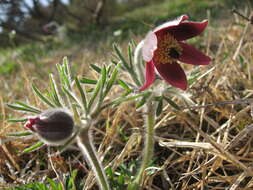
(169, 24)
(173, 74)
(149, 46)
(187, 30)
(149, 76)
(191, 55)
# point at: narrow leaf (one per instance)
(21, 108)
(123, 84)
(54, 91)
(130, 55)
(129, 98)
(95, 93)
(82, 93)
(42, 97)
(172, 103)
(95, 68)
(141, 102)
(28, 107)
(17, 120)
(71, 96)
(20, 134)
(88, 81)
(103, 76)
(34, 147)
(121, 57)
(159, 107)
(112, 79)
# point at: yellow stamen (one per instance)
(168, 49)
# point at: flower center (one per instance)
(168, 49)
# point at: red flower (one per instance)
(163, 47)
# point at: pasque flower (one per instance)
(53, 126)
(164, 47)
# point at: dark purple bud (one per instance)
(53, 126)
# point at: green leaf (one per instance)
(193, 76)
(121, 57)
(64, 78)
(71, 96)
(17, 120)
(34, 147)
(71, 183)
(95, 93)
(54, 91)
(52, 184)
(42, 97)
(20, 134)
(88, 81)
(129, 98)
(66, 67)
(141, 102)
(159, 107)
(82, 93)
(123, 84)
(172, 103)
(103, 76)
(130, 55)
(95, 68)
(111, 80)
(121, 180)
(21, 108)
(28, 107)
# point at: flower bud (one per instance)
(53, 126)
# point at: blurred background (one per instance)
(22, 21)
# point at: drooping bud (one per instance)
(53, 126)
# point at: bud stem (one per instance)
(84, 142)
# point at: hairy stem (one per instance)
(149, 147)
(84, 142)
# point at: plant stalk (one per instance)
(149, 147)
(84, 141)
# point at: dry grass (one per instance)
(206, 147)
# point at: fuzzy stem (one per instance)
(84, 142)
(149, 147)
